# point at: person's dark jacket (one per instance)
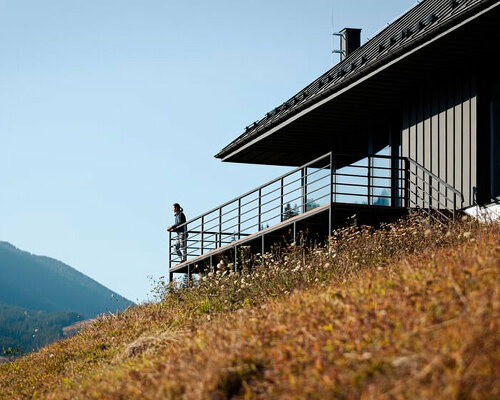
(180, 218)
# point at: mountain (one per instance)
(24, 330)
(44, 284)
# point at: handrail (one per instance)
(257, 188)
(440, 181)
(397, 181)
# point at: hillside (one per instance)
(45, 284)
(407, 311)
(24, 330)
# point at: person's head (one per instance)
(176, 208)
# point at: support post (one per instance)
(259, 217)
(332, 193)
(235, 257)
(303, 182)
(190, 273)
(407, 183)
(170, 277)
(281, 200)
(239, 218)
(169, 249)
(370, 180)
(262, 245)
(220, 227)
(202, 234)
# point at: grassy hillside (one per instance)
(408, 311)
(42, 283)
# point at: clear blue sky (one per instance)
(111, 110)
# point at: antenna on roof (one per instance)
(335, 34)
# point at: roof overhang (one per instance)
(362, 108)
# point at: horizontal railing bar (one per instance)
(435, 177)
(221, 233)
(260, 187)
(365, 176)
(423, 199)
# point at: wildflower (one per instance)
(427, 232)
(467, 234)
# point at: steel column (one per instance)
(259, 218)
(220, 227)
(407, 183)
(239, 218)
(281, 197)
(202, 234)
(303, 182)
(332, 195)
(169, 249)
(370, 180)
(235, 257)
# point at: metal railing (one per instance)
(375, 180)
(427, 191)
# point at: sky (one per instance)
(112, 110)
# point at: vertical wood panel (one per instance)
(439, 132)
(413, 146)
(458, 165)
(443, 154)
(466, 188)
(473, 139)
(450, 137)
(434, 112)
(426, 105)
(420, 143)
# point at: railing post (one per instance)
(430, 191)
(454, 204)
(407, 183)
(332, 193)
(281, 201)
(303, 181)
(394, 176)
(202, 234)
(169, 250)
(220, 226)
(239, 218)
(370, 177)
(235, 257)
(259, 217)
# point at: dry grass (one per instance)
(408, 311)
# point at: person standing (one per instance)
(181, 241)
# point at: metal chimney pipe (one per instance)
(349, 41)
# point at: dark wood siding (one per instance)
(439, 132)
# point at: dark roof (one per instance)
(421, 23)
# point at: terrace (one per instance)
(313, 199)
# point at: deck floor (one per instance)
(315, 221)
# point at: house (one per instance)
(408, 120)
